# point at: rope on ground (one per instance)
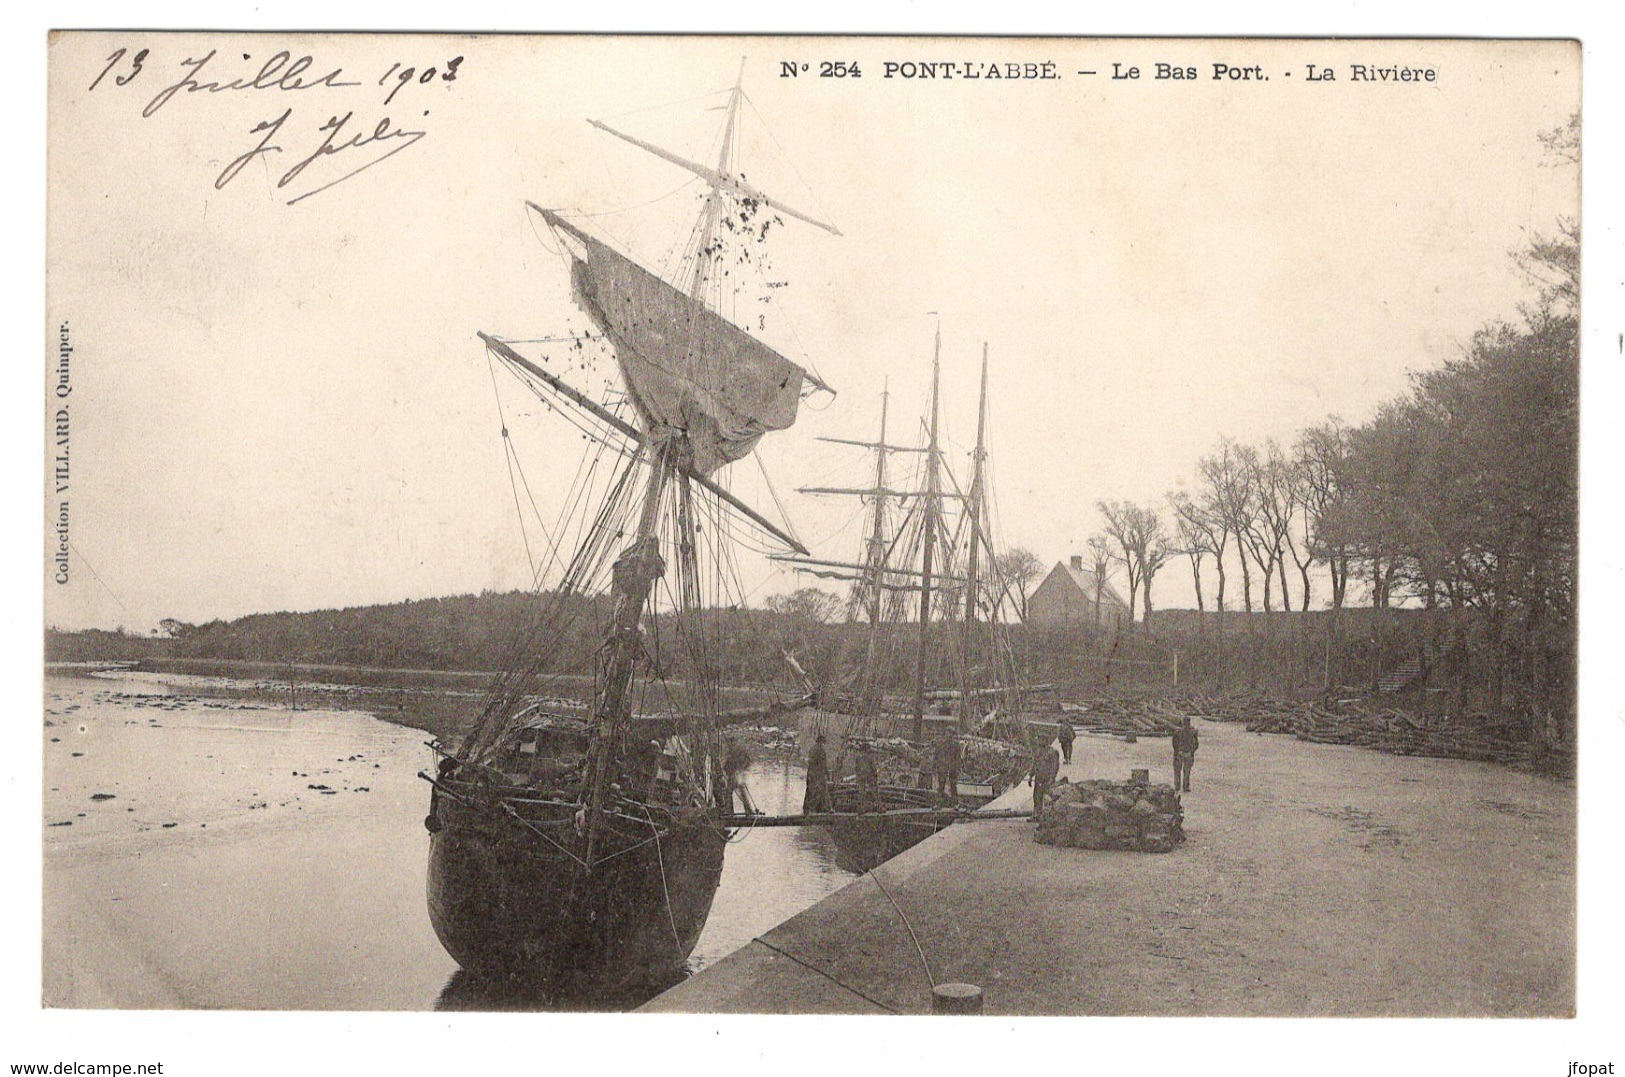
(929, 978)
(825, 975)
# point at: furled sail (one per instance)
(692, 373)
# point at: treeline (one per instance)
(1460, 496)
(1289, 654)
(103, 645)
(488, 632)
(461, 632)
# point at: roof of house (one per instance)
(1084, 580)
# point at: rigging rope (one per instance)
(660, 858)
(772, 491)
(507, 458)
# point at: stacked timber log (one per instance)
(1242, 708)
(1356, 721)
(1347, 718)
(1399, 732)
(1150, 717)
(1102, 814)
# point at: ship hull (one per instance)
(509, 903)
(867, 842)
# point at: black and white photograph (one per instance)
(709, 525)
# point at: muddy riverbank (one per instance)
(208, 849)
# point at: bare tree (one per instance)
(1255, 538)
(1197, 518)
(1139, 535)
(1275, 497)
(1116, 530)
(1016, 569)
(1195, 540)
(1323, 462)
(1157, 552)
(1226, 497)
(1298, 545)
(1100, 562)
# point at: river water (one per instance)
(206, 850)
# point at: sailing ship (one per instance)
(577, 843)
(969, 756)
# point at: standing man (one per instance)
(817, 798)
(1046, 765)
(927, 778)
(946, 765)
(735, 760)
(1067, 736)
(1185, 741)
(868, 777)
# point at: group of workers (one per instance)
(1046, 761)
(944, 762)
(940, 770)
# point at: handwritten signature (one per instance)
(284, 73)
(385, 131)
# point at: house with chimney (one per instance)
(1071, 594)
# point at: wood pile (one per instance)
(1150, 717)
(1102, 814)
(1386, 729)
(1240, 708)
(1346, 719)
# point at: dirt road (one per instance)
(1318, 880)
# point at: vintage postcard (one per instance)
(811, 525)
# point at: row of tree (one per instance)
(1460, 495)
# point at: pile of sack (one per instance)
(1103, 814)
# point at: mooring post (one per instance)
(956, 998)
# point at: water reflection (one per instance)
(469, 991)
(769, 875)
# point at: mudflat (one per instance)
(206, 852)
(210, 847)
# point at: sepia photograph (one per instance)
(812, 525)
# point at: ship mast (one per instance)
(720, 178)
(876, 560)
(976, 496)
(932, 510)
(640, 565)
(634, 574)
(713, 201)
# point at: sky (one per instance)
(280, 406)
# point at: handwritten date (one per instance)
(284, 73)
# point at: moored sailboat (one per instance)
(958, 760)
(577, 844)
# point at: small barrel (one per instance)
(1140, 776)
(956, 998)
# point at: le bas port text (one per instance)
(970, 70)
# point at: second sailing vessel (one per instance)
(907, 772)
